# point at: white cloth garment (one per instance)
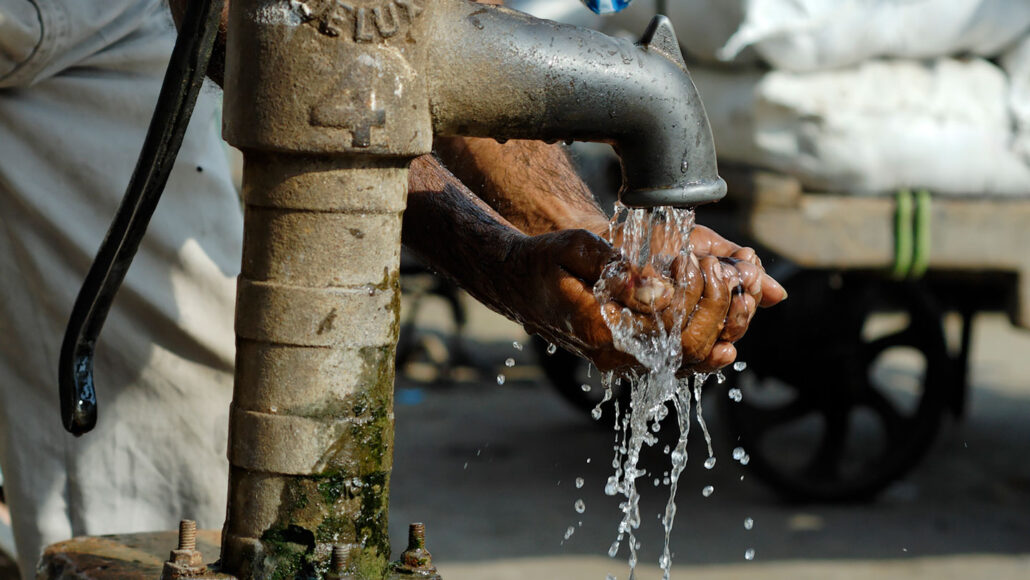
(78, 84)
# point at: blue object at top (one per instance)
(606, 6)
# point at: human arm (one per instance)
(534, 185)
(544, 281)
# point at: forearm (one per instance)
(457, 234)
(532, 184)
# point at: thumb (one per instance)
(583, 254)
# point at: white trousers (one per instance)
(78, 84)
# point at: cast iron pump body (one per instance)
(330, 101)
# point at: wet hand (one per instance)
(719, 284)
(546, 283)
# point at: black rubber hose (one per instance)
(182, 82)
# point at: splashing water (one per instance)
(657, 240)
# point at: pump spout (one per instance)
(499, 73)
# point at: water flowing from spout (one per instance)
(655, 242)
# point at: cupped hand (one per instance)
(548, 285)
(722, 281)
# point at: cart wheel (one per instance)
(568, 373)
(836, 404)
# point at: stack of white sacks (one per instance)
(864, 96)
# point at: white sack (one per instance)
(1016, 63)
(805, 35)
(942, 125)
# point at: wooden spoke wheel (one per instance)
(845, 386)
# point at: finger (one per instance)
(762, 286)
(748, 275)
(643, 290)
(705, 241)
(686, 271)
(583, 254)
(772, 292)
(723, 354)
(633, 323)
(708, 319)
(747, 254)
(742, 310)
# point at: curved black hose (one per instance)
(182, 83)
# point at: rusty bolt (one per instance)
(185, 561)
(417, 560)
(338, 561)
(188, 535)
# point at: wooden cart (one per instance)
(870, 280)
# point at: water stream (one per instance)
(654, 241)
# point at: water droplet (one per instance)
(579, 482)
(586, 388)
(510, 362)
(749, 554)
(568, 533)
(745, 460)
(738, 453)
(739, 366)
(708, 490)
(709, 463)
(552, 348)
(736, 395)
(666, 450)
(612, 551)
(588, 460)
(580, 506)
(596, 413)
(656, 482)
(610, 577)
(466, 465)
(500, 379)
(612, 487)
(516, 345)
(749, 523)
(719, 377)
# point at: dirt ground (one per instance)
(491, 469)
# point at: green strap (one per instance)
(921, 250)
(903, 235)
(912, 219)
